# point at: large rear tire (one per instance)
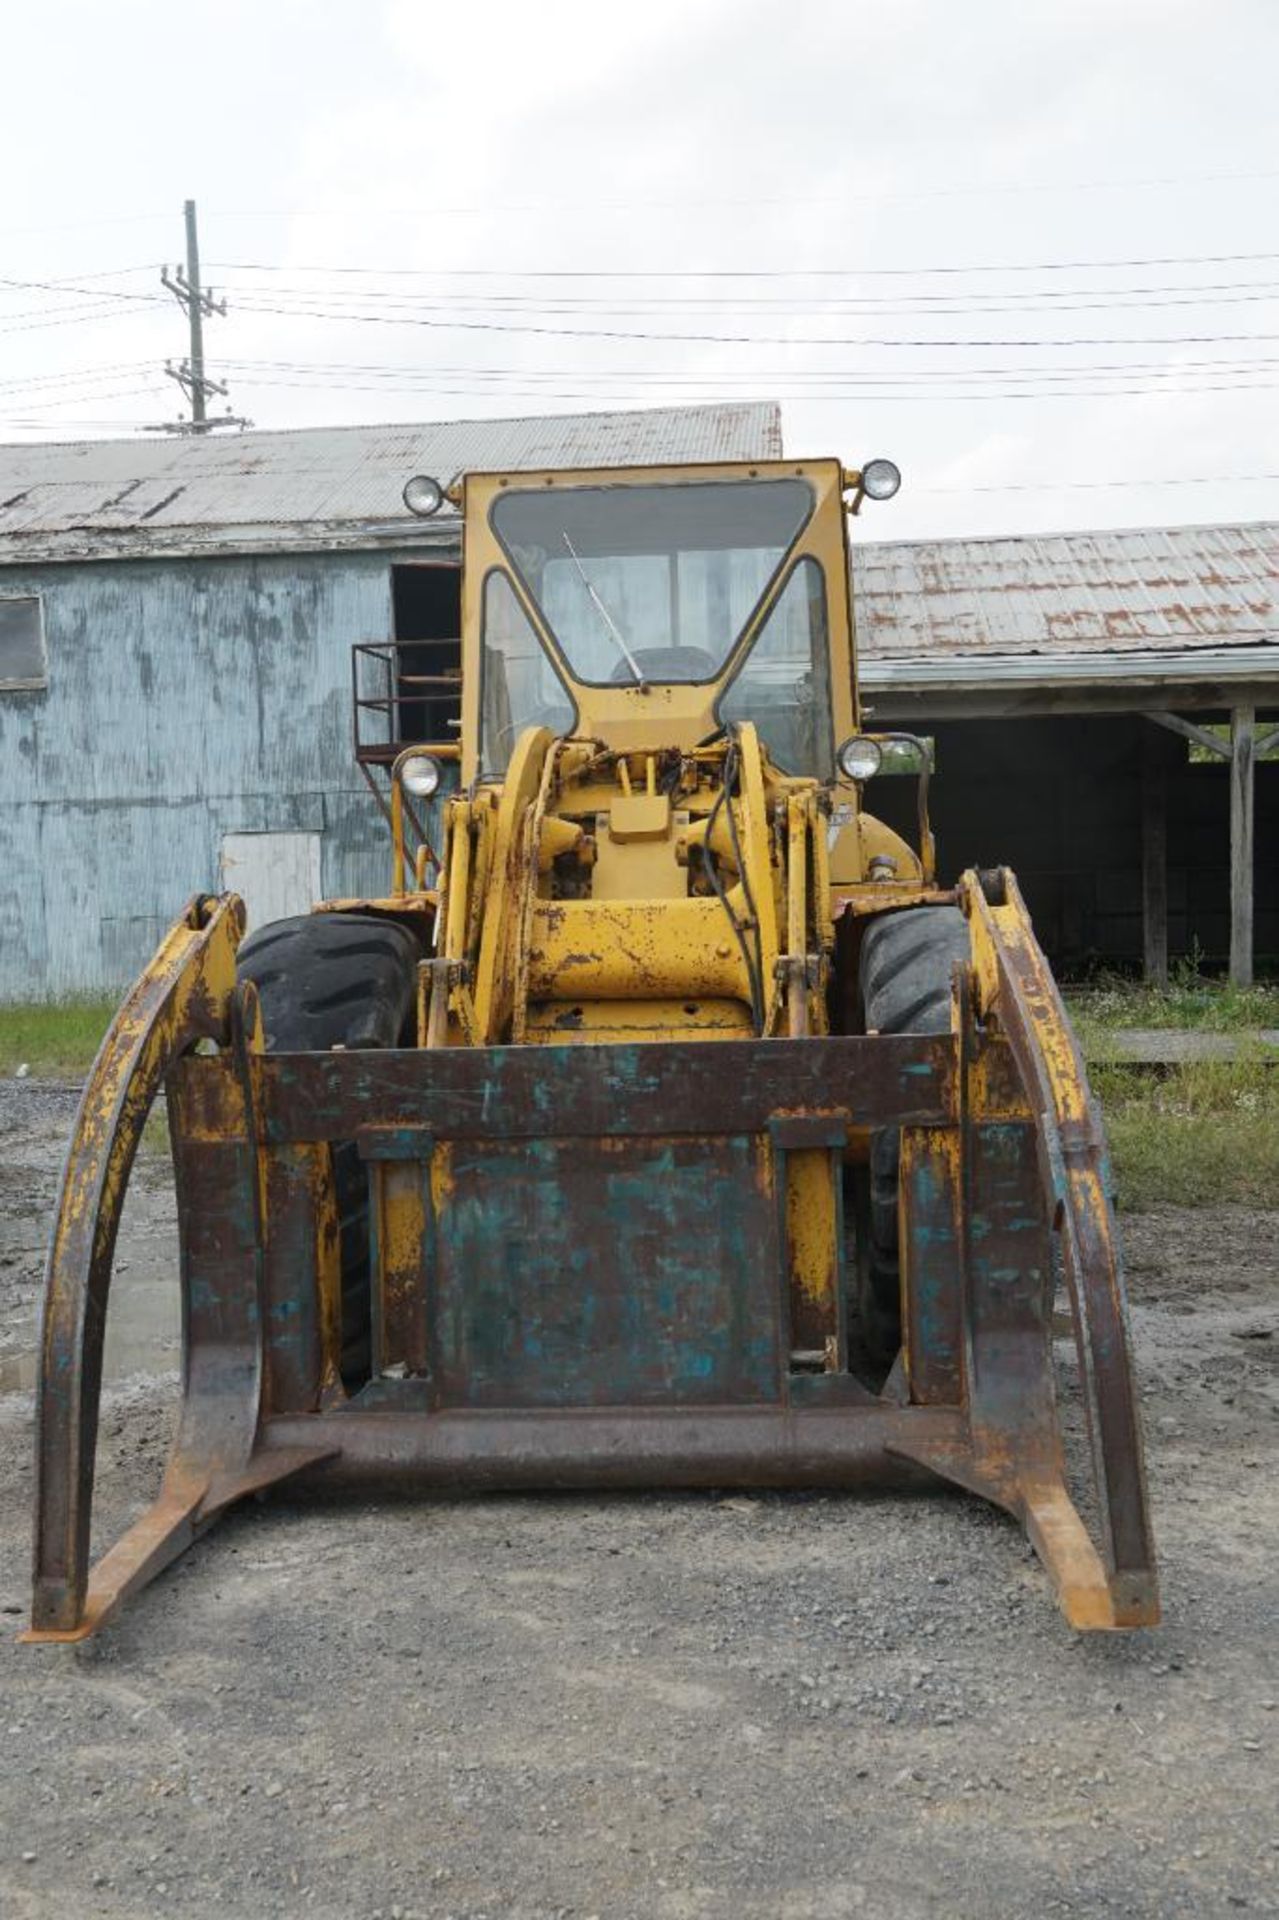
(907, 963)
(329, 980)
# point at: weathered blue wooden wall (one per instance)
(186, 699)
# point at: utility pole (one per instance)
(184, 284)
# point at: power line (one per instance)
(618, 391)
(880, 391)
(734, 339)
(683, 372)
(1221, 293)
(920, 306)
(380, 376)
(1070, 486)
(530, 297)
(333, 373)
(77, 286)
(38, 384)
(758, 273)
(120, 393)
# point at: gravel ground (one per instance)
(671, 1708)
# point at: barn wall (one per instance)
(1059, 801)
(186, 699)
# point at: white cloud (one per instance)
(681, 138)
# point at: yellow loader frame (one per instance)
(602, 1251)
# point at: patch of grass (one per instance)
(57, 1041)
(1189, 1000)
(1196, 1136)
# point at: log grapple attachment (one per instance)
(630, 1168)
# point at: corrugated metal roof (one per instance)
(319, 486)
(1069, 597)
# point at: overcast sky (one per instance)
(1029, 251)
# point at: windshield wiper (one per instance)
(613, 629)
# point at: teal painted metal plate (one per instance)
(572, 1273)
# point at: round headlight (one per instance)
(420, 776)
(859, 758)
(422, 495)
(880, 479)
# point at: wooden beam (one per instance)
(903, 705)
(1198, 736)
(1154, 860)
(1243, 720)
(1266, 743)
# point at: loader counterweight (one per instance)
(489, 1210)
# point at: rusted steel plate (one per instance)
(606, 1273)
(301, 1234)
(508, 1449)
(401, 1238)
(932, 1265)
(512, 1093)
(1010, 1285)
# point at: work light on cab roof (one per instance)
(423, 495)
(880, 479)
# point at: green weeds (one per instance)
(1189, 1000)
(56, 1041)
(1194, 1135)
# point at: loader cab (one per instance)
(652, 607)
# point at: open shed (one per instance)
(1105, 712)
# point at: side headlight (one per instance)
(859, 758)
(420, 775)
(423, 495)
(880, 479)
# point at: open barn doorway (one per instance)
(426, 600)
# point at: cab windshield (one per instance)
(641, 583)
(653, 583)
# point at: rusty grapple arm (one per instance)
(1027, 1120)
(583, 1261)
(185, 995)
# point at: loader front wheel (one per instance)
(907, 962)
(328, 980)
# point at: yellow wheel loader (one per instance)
(666, 1124)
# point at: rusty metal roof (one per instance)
(319, 486)
(944, 606)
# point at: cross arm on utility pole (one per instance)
(180, 287)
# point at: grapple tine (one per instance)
(1014, 1004)
(184, 995)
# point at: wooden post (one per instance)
(1154, 859)
(1242, 727)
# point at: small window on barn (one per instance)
(23, 667)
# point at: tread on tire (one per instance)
(329, 980)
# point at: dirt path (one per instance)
(670, 1708)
